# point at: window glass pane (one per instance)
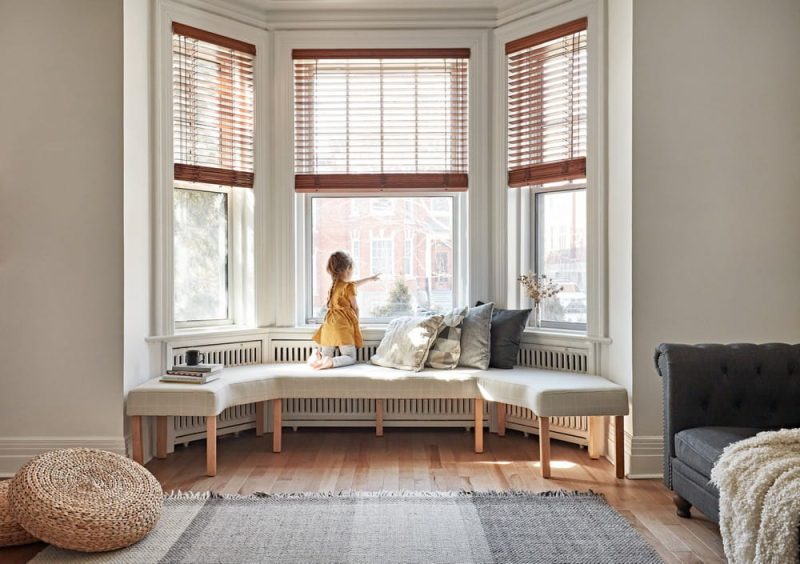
(404, 239)
(201, 255)
(561, 253)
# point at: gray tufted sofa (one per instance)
(715, 395)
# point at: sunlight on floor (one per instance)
(553, 463)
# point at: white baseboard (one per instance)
(644, 455)
(16, 451)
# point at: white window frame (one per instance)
(240, 314)
(512, 256)
(306, 254)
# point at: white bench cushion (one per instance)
(550, 393)
(248, 384)
(546, 392)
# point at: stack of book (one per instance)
(194, 374)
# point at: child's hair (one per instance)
(338, 263)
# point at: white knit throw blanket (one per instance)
(759, 505)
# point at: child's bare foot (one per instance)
(325, 362)
(315, 358)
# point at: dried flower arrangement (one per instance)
(539, 287)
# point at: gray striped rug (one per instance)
(458, 527)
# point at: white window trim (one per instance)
(510, 247)
(305, 252)
(163, 296)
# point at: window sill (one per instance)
(214, 332)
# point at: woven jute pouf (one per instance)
(85, 499)
(11, 533)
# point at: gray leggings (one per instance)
(346, 357)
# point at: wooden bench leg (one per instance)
(136, 438)
(379, 417)
(259, 419)
(501, 419)
(619, 445)
(161, 436)
(596, 439)
(276, 425)
(211, 445)
(478, 426)
(544, 445)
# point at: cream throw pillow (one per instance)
(446, 349)
(406, 343)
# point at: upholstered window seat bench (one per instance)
(547, 393)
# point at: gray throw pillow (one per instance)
(507, 328)
(476, 337)
(446, 349)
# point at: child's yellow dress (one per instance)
(340, 326)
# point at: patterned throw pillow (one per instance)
(406, 343)
(446, 349)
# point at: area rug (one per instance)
(458, 527)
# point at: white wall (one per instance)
(619, 354)
(61, 235)
(716, 180)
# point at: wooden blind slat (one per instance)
(213, 107)
(547, 105)
(381, 120)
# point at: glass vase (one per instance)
(537, 315)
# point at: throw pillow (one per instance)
(507, 328)
(476, 337)
(446, 348)
(406, 343)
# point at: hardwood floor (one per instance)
(426, 459)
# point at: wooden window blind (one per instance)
(547, 105)
(381, 119)
(213, 117)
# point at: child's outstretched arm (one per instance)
(365, 280)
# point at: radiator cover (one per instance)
(338, 412)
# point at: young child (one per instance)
(340, 326)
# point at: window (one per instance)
(213, 133)
(547, 121)
(378, 134)
(429, 289)
(201, 255)
(385, 119)
(561, 254)
(382, 256)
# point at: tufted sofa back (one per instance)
(740, 385)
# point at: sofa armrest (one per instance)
(740, 385)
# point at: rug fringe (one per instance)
(181, 495)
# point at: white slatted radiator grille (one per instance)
(329, 412)
(233, 419)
